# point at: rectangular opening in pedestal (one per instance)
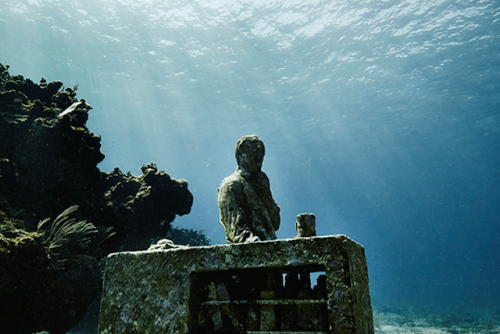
(259, 300)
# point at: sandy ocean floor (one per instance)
(394, 321)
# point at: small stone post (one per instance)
(306, 225)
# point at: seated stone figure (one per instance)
(248, 211)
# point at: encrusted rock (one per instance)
(164, 244)
(51, 161)
(145, 205)
(48, 162)
(49, 277)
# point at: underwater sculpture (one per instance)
(248, 211)
(252, 287)
(246, 286)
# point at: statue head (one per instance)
(250, 153)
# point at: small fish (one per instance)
(70, 109)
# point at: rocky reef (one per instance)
(145, 205)
(48, 162)
(48, 168)
(48, 277)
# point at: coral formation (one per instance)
(67, 238)
(49, 277)
(48, 163)
(185, 236)
(145, 205)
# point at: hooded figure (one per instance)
(248, 211)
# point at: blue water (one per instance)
(381, 117)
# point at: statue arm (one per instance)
(272, 206)
(232, 216)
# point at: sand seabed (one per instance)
(454, 322)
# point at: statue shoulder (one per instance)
(232, 182)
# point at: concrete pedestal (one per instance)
(257, 287)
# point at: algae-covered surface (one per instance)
(153, 291)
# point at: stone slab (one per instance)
(176, 291)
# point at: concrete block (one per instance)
(300, 285)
